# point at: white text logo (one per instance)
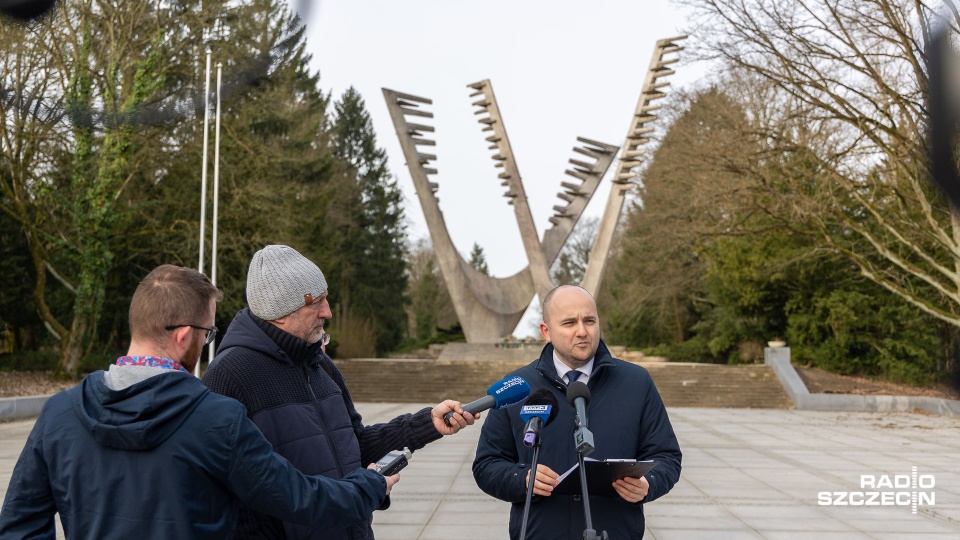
(911, 490)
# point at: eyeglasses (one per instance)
(324, 339)
(207, 339)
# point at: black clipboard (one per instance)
(601, 475)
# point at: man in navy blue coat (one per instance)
(272, 360)
(144, 450)
(627, 419)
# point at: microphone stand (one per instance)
(581, 431)
(533, 479)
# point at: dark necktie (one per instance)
(573, 375)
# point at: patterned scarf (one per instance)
(150, 361)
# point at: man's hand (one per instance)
(458, 421)
(545, 482)
(632, 489)
(391, 480)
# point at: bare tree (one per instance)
(572, 262)
(30, 131)
(90, 96)
(839, 144)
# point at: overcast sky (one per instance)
(560, 69)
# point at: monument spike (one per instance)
(589, 152)
(488, 308)
(572, 187)
(576, 173)
(628, 160)
(403, 98)
(599, 146)
(421, 127)
(582, 165)
(590, 175)
(418, 112)
(492, 119)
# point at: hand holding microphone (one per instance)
(501, 393)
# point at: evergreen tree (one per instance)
(370, 279)
(478, 260)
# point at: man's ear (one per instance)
(545, 332)
(281, 320)
(181, 335)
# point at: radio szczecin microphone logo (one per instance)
(911, 490)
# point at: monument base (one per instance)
(490, 352)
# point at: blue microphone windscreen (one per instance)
(545, 400)
(509, 391)
(532, 411)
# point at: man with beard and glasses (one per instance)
(272, 360)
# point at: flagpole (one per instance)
(203, 175)
(216, 200)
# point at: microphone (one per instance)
(501, 393)
(578, 395)
(537, 411)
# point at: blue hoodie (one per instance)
(163, 458)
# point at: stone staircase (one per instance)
(680, 384)
(752, 386)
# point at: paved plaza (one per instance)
(747, 474)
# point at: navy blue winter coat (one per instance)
(163, 458)
(628, 421)
(299, 399)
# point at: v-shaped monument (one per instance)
(489, 308)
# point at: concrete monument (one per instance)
(488, 307)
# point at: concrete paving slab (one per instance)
(747, 474)
(659, 533)
(804, 535)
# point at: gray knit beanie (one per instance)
(278, 279)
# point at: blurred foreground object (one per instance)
(944, 109)
(25, 10)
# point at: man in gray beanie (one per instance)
(272, 360)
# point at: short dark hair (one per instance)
(170, 295)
